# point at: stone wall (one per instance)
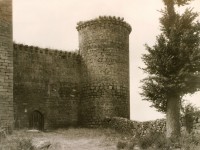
(6, 64)
(65, 87)
(104, 47)
(141, 129)
(47, 81)
(136, 128)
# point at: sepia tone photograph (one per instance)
(99, 75)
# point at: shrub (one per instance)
(2, 134)
(13, 142)
(153, 139)
(24, 144)
(151, 134)
(158, 141)
(190, 141)
(189, 113)
(121, 144)
(127, 144)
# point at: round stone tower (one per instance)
(6, 65)
(104, 47)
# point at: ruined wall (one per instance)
(136, 128)
(6, 65)
(141, 129)
(104, 47)
(47, 81)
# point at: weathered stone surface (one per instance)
(141, 129)
(135, 128)
(2, 133)
(65, 88)
(136, 147)
(41, 144)
(47, 81)
(104, 47)
(6, 65)
(68, 88)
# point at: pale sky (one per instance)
(52, 24)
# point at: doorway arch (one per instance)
(36, 120)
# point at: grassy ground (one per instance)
(65, 139)
(93, 139)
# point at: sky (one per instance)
(52, 24)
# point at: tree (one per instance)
(173, 63)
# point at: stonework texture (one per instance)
(135, 128)
(145, 128)
(56, 89)
(104, 47)
(47, 81)
(6, 65)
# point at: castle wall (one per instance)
(47, 81)
(104, 47)
(6, 65)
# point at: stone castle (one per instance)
(46, 88)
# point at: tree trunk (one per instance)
(173, 117)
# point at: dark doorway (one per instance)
(36, 120)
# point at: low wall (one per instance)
(135, 128)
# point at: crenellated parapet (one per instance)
(104, 49)
(46, 51)
(73, 87)
(103, 21)
(46, 80)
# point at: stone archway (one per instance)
(36, 120)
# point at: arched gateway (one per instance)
(36, 120)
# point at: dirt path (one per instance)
(79, 144)
(80, 139)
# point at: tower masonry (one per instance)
(6, 65)
(104, 48)
(42, 88)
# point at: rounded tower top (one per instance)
(104, 20)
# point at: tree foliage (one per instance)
(173, 63)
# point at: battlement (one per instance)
(46, 51)
(104, 20)
(55, 88)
